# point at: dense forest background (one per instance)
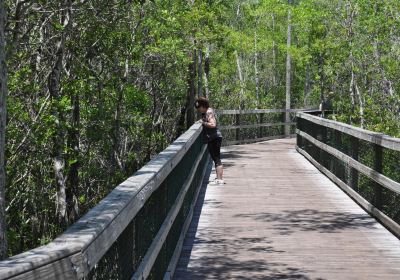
(97, 87)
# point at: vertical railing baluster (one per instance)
(338, 167)
(322, 153)
(378, 166)
(354, 155)
(260, 129)
(237, 122)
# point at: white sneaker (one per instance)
(217, 182)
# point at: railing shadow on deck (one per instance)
(137, 231)
(224, 265)
(289, 222)
(134, 232)
(364, 164)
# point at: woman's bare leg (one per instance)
(220, 172)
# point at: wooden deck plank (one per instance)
(278, 217)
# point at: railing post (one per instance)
(287, 121)
(324, 139)
(378, 166)
(260, 129)
(354, 155)
(299, 139)
(237, 122)
(338, 168)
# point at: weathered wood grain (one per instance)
(375, 212)
(257, 111)
(225, 127)
(278, 217)
(90, 237)
(150, 257)
(254, 140)
(175, 257)
(373, 137)
(369, 172)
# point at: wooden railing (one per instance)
(365, 164)
(248, 126)
(136, 232)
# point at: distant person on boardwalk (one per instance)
(212, 136)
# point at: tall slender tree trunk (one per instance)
(256, 70)
(117, 127)
(361, 104)
(355, 91)
(321, 73)
(207, 72)
(288, 71)
(190, 114)
(200, 73)
(3, 116)
(307, 87)
(352, 99)
(73, 172)
(59, 136)
(241, 80)
(274, 55)
(191, 90)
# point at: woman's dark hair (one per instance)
(202, 102)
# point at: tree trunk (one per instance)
(59, 137)
(191, 91)
(73, 173)
(355, 91)
(200, 73)
(3, 115)
(361, 104)
(274, 55)
(117, 128)
(240, 74)
(256, 70)
(20, 8)
(321, 73)
(207, 72)
(353, 103)
(288, 71)
(307, 87)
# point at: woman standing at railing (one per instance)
(212, 136)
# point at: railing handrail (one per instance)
(376, 175)
(257, 111)
(80, 247)
(363, 134)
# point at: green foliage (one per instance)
(123, 87)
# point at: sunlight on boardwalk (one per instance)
(277, 217)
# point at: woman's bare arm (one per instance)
(211, 121)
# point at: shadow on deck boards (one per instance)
(279, 218)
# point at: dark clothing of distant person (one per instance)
(213, 138)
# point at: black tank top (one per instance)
(210, 134)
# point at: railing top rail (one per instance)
(370, 136)
(86, 241)
(258, 111)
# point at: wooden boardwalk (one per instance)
(278, 217)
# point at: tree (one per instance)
(288, 70)
(3, 116)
